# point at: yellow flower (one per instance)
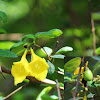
(20, 69)
(77, 71)
(37, 68)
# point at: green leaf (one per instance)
(77, 98)
(7, 58)
(96, 68)
(58, 56)
(61, 69)
(50, 34)
(96, 57)
(64, 49)
(90, 95)
(2, 98)
(47, 97)
(3, 16)
(29, 38)
(72, 64)
(51, 68)
(6, 53)
(71, 88)
(18, 48)
(6, 45)
(67, 79)
(61, 84)
(56, 32)
(2, 31)
(47, 50)
(98, 51)
(43, 92)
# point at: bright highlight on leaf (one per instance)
(37, 68)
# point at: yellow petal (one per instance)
(19, 79)
(77, 70)
(42, 75)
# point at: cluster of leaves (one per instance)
(30, 41)
(70, 78)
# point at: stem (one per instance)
(78, 79)
(93, 28)
(58, 90)
(16, 91)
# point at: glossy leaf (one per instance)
(64, 49)
(29, 38)
(18, 48)
(2, 31)
(43, 92)
(3, 16)
(50, 34)
(51, 68)
(6, 53)
(47, 50)
(58, 56)
(61, 69)
(72, 64)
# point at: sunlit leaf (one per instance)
(2, 98)
(98, 51)
(50, 34)
(29, 38)
(3, 16)
(47, 50)
(71, 88)
(64, 49)
(18, 48)
(43, 92)
(61, 69)
(58, 56)
(51, 68)
(6, 45)
(72, 64)
(2, 31)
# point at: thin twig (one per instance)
(58, 90)
(2, 73)
(16, 91)
(78, 79)
(59, 72)
(93, 28)
(32, 79)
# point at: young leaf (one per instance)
(51, 68)
(72, 64)
(3, 16)
(47, 50)
(29, 38)
(90, 95)
(50, 34)
(18, 48)
(58, 56)
(64, 49)
(2, 31)
(43, 92)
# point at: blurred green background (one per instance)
(32, 16)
